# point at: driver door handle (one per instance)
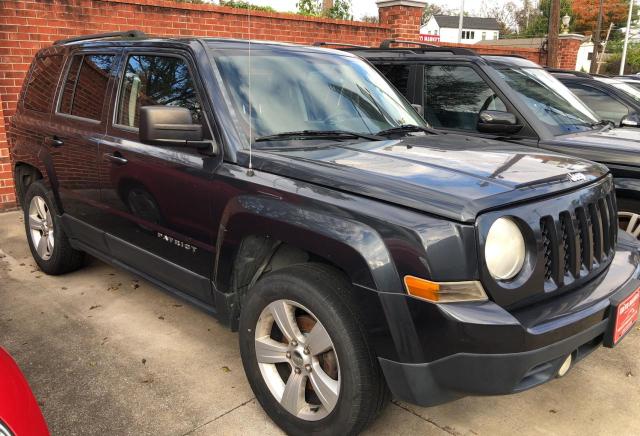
(54, 141)
(116, 159)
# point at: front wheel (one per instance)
(305, 353)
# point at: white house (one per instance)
(444, 28)
(585, 54)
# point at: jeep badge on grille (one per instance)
(577, 177)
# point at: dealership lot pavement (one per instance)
(108, 353)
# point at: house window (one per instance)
(484, 35)
(495, 35)
(468, 34)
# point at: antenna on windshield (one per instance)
(250, 170)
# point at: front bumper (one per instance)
(482, 349)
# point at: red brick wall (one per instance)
(7, 192)
(28, 25)
(533, 54)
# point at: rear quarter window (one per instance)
(41, 83)
(85, 87)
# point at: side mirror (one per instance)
(419, 109)
(631, 120)
(169, 126)
(498, 122)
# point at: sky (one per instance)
(361, 8)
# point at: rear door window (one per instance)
(151, 80)
(42, 82)
(85, 86)
(454, 96)
(606, 106)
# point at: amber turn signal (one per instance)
(444, 292)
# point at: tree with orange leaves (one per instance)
(586, 14)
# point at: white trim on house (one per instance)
(432, 31)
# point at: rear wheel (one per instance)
(49, 244)
(306, 355)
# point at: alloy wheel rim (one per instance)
(629, 222)
(41, 228)
(297, 360)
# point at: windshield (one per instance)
(627, 89)
(293, 91)
(635, 84)
(552, 102)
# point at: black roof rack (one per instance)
(507, 55)
(387, 43)
(125, 34)
(339, 44)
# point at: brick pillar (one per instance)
(403, 16)
(568, 46)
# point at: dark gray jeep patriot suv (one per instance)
(294, 194)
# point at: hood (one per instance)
(453, 176)
(610, 146)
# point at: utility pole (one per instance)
(596, 40)
(460, 21)
(626, 38)
(552, 38)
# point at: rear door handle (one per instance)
(118, 160)
(54, 141)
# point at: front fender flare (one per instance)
(354, 246)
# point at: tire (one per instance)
(43, 226)
(318, 295)
(629, 216)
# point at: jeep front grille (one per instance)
(578, 241)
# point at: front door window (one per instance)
(455, 95)
(155, 80)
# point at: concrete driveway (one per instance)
(108, 353)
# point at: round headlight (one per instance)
(504, 249)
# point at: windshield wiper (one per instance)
(604, 123)
(407, 128)
(313, 134)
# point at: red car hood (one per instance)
(19, 411)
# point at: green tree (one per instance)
(309, 7)
(244, 5)
(431, 9)
(341, 9)
(538, 24)
(614, 50)
(370, 19)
